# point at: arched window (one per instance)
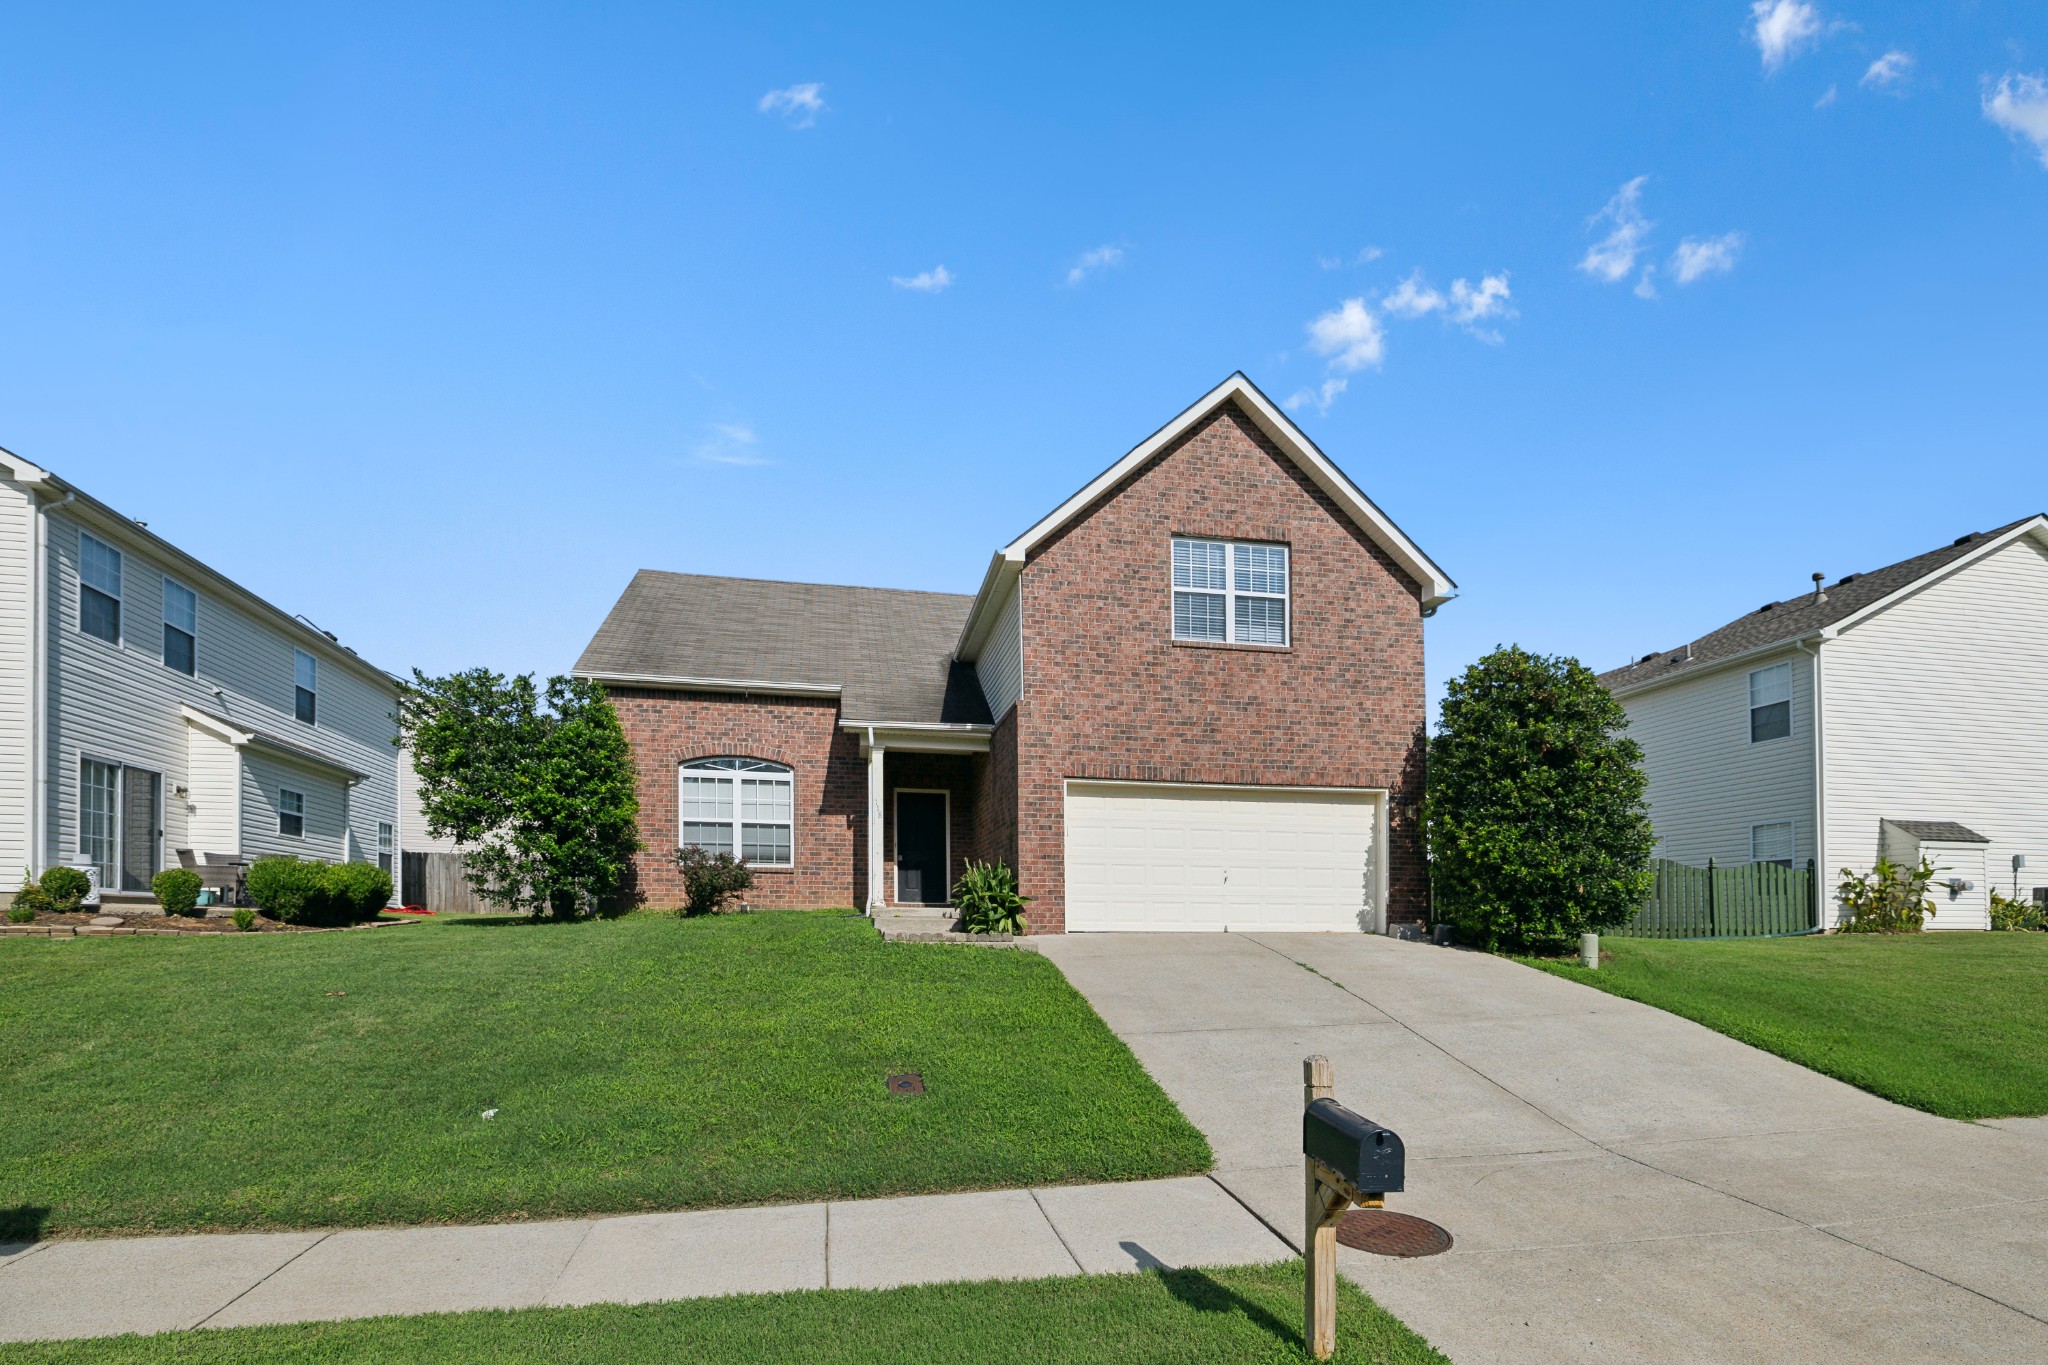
(740, 806)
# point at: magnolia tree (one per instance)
(1537, 824)
(538, 786)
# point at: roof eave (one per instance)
(670, 682)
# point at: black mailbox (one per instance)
(1367, 1155)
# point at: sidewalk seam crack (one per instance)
(261, 1282)
(1040, 1204)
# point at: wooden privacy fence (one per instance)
(438, 882)
(1751, 900)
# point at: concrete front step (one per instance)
(926, 926)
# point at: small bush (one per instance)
(711, 881)
(245, 918)
(1888, 899)
(66, 889)
(2007, 913)
(28, 902)
(177, 891)
(318, 893)
(986, 897)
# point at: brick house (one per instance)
(1191, 697)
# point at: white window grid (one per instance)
(1770, 688)
(1230, 592)
(384, 839)
(99, 576)
(742, 806)
(306, 686)
(97, 803)
(291, 813)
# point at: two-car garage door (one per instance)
(1158, 857)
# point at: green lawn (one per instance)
(646, 1063)
(1955, 1024)
(1186, 1317)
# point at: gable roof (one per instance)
(1847, 600)
(1939, 831)
(886, 653)
(1437, 586)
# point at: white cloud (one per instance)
(1888, 71)
(930, 282)
(1319, 399)
(1827, 97)
(799, 105)
(1366, 256)
(1412, 299)
(2019, 104)
(730, 443)
(1613, 257)
(1698, 257)
(1782, 29)
(1350, 335)
(1475, 303)
(1101, 258)
(1646, 283)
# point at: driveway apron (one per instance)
(1622, 1184)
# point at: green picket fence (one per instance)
(1752, 900)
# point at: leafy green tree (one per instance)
(1537, 824)
(538, 786)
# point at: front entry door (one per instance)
(921, 848)
(142, 812)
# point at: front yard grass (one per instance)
(253, 1081)
(1952, 1023)
(1187, 1317)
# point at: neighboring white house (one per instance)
(148, 705)
(1900, 712)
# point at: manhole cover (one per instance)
(1385, 1233)
(909, 1083)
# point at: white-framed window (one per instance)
(1770, 703)
(291, 813)
(306, 686)
(181, 627)
(1229, 592)
(99, 589)
(740, 806)
(1771, 843)
(96, 815)
(384, 846)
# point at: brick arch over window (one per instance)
(742, 806)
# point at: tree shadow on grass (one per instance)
(21, 1224)
(1203, 1294)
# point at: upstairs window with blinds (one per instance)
(181, 627)
(99, 589)
(740, 806)
(1228, 592)
(1770, 703)
(305, 686)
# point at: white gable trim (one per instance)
(1437, 586)
(2033, 526)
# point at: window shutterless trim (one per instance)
(99, 590)
(305, 687)
(298, 800)
(734, 774)
(1229, 585)
(1771, 719)
(180, 637)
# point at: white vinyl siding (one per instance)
(1198, 858)
(1001, 665)
(322, 809)
(1937, 709)
(119, 703)
(17, 526)
(1708, 783)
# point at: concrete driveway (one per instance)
(1623, 1185)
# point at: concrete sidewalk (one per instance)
(52, 1290)
(1623, 1185)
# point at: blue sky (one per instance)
(436, 323)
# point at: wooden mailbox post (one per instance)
(1346, 1160)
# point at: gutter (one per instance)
(1630, 689)
(1822, 902)
(674, 682)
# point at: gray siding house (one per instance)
(149, 705)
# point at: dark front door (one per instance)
(921, 848)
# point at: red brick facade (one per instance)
(1341, 706)
(1108, 693)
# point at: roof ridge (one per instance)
(798, 583)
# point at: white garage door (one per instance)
(1142, 856)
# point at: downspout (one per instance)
(39, 688)
(1824, 911)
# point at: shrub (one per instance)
(986, 897)
(711, 880)
(318, 893)
(2008, 913)
(177, 891)
(28, 902)
(1537, 823)
(66, 889)
(245, 918)
(1888, 899)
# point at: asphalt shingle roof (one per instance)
(889, 650)
(1939, 832)
(1798, 617)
